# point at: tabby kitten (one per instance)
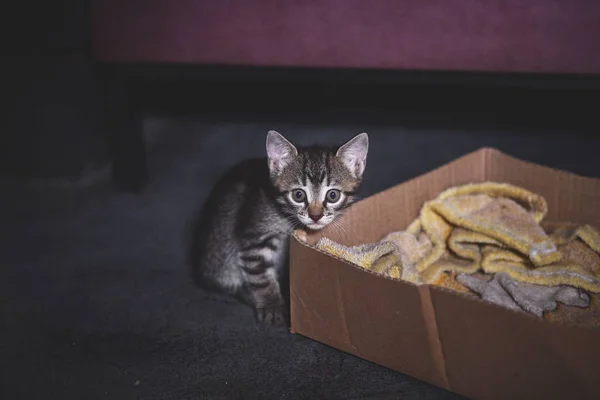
(242, 239)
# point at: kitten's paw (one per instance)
(270, 316)
(301, 235)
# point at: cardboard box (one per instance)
(467, 346)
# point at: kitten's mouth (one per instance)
(316, 226)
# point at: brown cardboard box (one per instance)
(465, 345)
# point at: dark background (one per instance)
(95, 298)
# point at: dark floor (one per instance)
(95, 297)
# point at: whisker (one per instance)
(342, 229)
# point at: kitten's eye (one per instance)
(298, 195)
(333, 196)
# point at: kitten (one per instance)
(242, 237)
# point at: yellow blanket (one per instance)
(488, 227)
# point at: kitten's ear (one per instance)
(354, 154)
(279, 151)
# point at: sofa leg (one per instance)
(124, 133)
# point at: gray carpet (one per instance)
(95, 297)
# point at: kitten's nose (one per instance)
(315, 217)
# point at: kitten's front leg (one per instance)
(269, 305)
(262, 290)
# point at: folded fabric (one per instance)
(411, 249)
(579, 265)
(589, 316)
(563, 233)
(503, 290)
(491, 213)
(380, 258)
(497, 228)
(489, 289)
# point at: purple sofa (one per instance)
(533, 36)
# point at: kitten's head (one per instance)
(315, 183)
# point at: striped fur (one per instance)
(241, 239)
